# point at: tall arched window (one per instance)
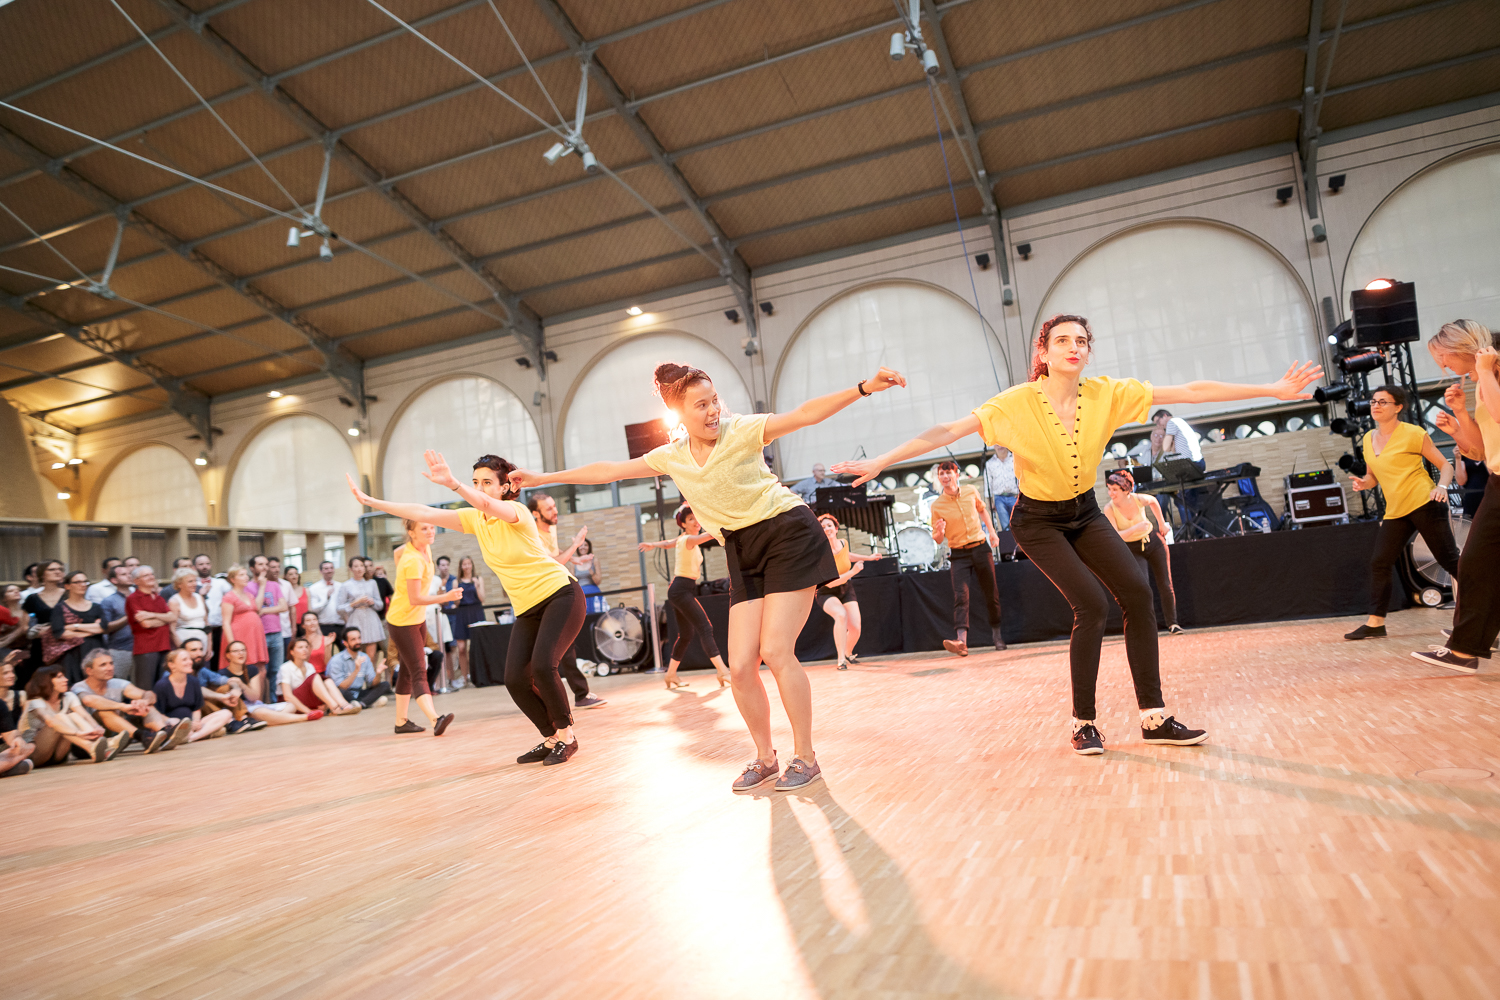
(1178, 301)
(930, 336)
(617, 391)
(1439, 229)
(291, 475)
(463, 418)
(152, 485)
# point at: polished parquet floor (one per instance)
(1338, 837)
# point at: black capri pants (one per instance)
(1431, 520)
(682, 594)
(541, 636)
(410, 643)
(1476, 621)
(1073, 543)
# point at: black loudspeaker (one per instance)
(1385, 315)
(642, 437)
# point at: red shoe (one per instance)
(315, 715)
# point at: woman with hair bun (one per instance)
(1467, 349)
(1139, 520)
(682, 595)
(548, 602)
(1058, 425)
(777, 554)
(1393, 453)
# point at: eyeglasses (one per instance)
(1382, 402)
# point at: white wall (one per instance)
(152, 485)
(291, 474)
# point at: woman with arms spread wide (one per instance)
(1058, 424)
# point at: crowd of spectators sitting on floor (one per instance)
(89, 669)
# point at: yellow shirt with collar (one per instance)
(732, 489)
(961, 524)
(516, 553)
(1052, 464)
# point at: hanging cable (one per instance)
(209, 107)
(529, 68)
(657, 212)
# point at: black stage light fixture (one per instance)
(1341, 333)
(1329, 393)
(1358, 407)
(1335, 183)
(1284, 195)
(1385, 312)
(1353, 464)
(983, 260)
(550, 355)
(1365, 361)
(524, 362)
(733, 315)
(1345, 428)
(767, 308)
(1024, 249)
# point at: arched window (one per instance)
(1179, 301)
(291, 476)
(1438, 230)
(463, 418)
(618, 390)
(931, 337)
(152, 485)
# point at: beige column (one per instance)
(55, 542)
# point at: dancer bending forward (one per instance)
(548, 602)
(777, 556)
(682, 595)
(1057, 425)
(837, 597)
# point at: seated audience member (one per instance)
(118, 638)
(77, 628)
(179, 696)
(151, 622)
(190, 609)
(14, 621)
(351, 671)
(55, 722)
(306, 689)
(15, 752)
(219, 691)
(122, 707)
(320, 646)
(250, 678)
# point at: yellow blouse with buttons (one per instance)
(1051, 463)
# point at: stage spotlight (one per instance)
(1378, 284)
(1329, 393)
(1284, 195)
(1358, 407)
(202, 459)
(898, 46)
(325, 251)
(1343, 427)
(733, 315)
(557, 152)
(1368, 361)
(590, 162)
(1351, 464)
(1335, 183)
(983, 260)
(1024, 249)
(767, 308)
(293, 236)
(930, 62)
(1341, 333)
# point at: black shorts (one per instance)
(786, 553)
(844, 593)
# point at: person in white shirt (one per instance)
(1000, 480)
(214, 620)
(97, 592)
(320, 601)
(306, 690)
(1178, 438)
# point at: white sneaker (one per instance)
(382, 701)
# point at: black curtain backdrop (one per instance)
(1286, 575)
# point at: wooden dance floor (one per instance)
(1338, 837)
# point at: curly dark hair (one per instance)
(674, 380)
(499, 466)
(1039, 351)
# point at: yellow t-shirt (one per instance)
(689, 558)
(1489, 431)
(842, 561)
(516, 553)
(962, 526)
(1399, 470)
(1052, 464)
(414, 565)
(733, 489)
(549, 535)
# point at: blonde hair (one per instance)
(233, 569)
(185, 573)
(1462, 336)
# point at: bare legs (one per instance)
(330, 695)
(721, 669)
(424, 702)
(767, 629)
(461, 650)
(210, 724)
(846, 626)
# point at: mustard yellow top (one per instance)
(841, 559)
(689, 558)
(1399, 470)
(733, 489)
(1052, 464)
(414, 565)
(962, 526)
(1489, 431)
(516, 553)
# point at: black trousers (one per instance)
(1476, 621)
(1159, 561)
(567, 669)
(1073, 543)
(369, 696)
(981, 559)
(682, 594)
(538, 642)
(1431, 519)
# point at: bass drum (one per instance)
(917, 549)
(1427, 582)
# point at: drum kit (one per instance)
(914, 541)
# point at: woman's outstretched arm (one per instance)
(1298, 377)
(411, 511)
(593, 474)
(931, 439)
(439, 473)
(817, 410)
